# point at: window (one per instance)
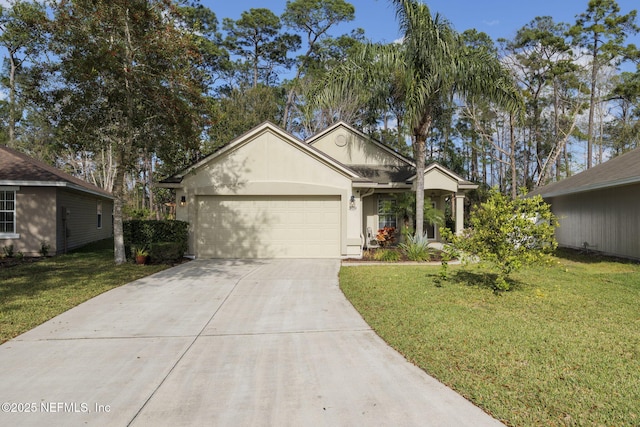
(386, 213)
(99, 209)
(7, 212)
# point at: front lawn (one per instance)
(34, 292)
(561, 349)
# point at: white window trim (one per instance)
(15, 189)
(384, 199)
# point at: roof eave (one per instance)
(592, 187)
(370, 184)
(64, 184)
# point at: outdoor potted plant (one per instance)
(141, 255)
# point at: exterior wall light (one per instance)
(183, 201)
(352, 202)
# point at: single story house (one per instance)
(268, 194)
(40, 204)
(599, 208)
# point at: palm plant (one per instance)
(430, 66)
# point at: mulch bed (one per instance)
(368, 255)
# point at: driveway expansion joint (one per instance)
(311, 331)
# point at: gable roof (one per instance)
(252, 134)
(378, 175)
(18, 169)
(313, 139)
(621, 170)
(462, 183)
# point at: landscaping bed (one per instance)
(392, 255)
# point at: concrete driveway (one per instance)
(221, 343)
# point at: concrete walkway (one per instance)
(221, 343)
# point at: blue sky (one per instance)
(498, 18)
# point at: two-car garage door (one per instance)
(268, 226)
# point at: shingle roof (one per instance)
(621, 170)
(384, 174)
(17, 168)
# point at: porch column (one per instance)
(459, 213)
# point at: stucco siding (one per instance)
(35, 220)
(82, 220)
(607, 221)
(438, 180)
(352, 149)
(261, 165)
(266, 165)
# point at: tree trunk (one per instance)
(119, 254)
(420, 146)
(512, 159)
(556, 124)
(473, 159)
(420, 153)
(123, 156)
(12, 99)
(289, 104)
(592, 104)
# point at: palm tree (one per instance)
(435, 65)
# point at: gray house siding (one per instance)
(81, 223)
(607, 220)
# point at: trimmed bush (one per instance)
(145, 232)
(166, 251)
(165, 240)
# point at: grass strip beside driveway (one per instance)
(34, 292)
(561, 349)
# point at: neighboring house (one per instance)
(41, 204)
(599, 209)
(269, 194)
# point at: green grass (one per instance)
(561, 349)
(32, 293)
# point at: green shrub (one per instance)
(416, 248)
(166, 251)
(144, 232)
(44, 248)
(171, 236)
(386, 255)
(507, 234)
(8, 251)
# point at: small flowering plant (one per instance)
(386, 236)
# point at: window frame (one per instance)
(99, 214)
(3, 209)
(386, 217)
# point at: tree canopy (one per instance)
(119, 92)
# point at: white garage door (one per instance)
(268, 227)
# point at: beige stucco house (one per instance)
(599, 209)
(41, 204)
(270, 194)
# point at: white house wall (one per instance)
(439, 180)
(352, 149)
(608, 221)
